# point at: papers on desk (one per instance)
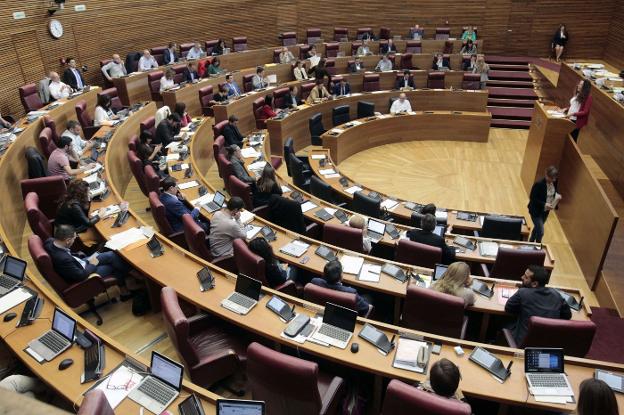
(176, 147)
(257, 166)
(553, 399)
(487, 248)
(91, 178)
(13, 298)
(295, 248)
(272, 78)
(96, 169)
(246, 216)
(249, 152)
(369, 273)
(332, 176)
(336, 131)
(325, 172)
(123, 239)
(389, 204)
(252, 231)
(352, 264)
(207, 198)
(504, 293)
(330, 210)
(318, 156)
(96, 192)
(308, 205)
(555, 113)
(119, 385)
(108, 211)
(351, 190)
(188, 185)
(286, 189)
(441, 215)
(406, 356)
(172, 157)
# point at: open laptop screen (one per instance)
(376, 226)
(64, 324)
(166, 370)
(239, 407)
(439, 270)
(340, 317)
(440, 230)
(548, 360)
(219, 198)
(248, 286)
(14, 267)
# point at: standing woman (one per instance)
(559, 41)
(541, 201)
(578, 111)
(482, 69)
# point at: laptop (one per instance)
(239, 407)
(191, 406)
(440, 230)
(216, 204)
(55, 341)
(438, 271)
(543, 368)
(158, 389)
(245, 296)
(337, 327)
(375, 229)
(13, 271)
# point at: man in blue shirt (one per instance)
(173, 201)
(233, 88)
(332, 279)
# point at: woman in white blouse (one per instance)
(300, 71)
(103, 113)
(167, 82)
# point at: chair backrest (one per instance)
(159, 213)
(83, 116)
(289, 38)
(49, 189)
(217, 129)
(366, 205)
(297, 171)
(365, 109)
(206, 95)
(152, 180)
(574, 336)
(136, 166)
(37, 164)
(195, 237)
(241, 189)
(416, 218)
(247, 82)
(286, 213)
(415, 253)
(343, 236)
(209, 45)
(287, 384)
(133, 143)
(370, 82)
(363, 31)
(471, 81)
(43, 262)
(158, 53)
(306, 89)
(278, 97)
(289, 147)
(321, 295)
(315, 124)
(303, 51)
(313, 35)
(185, 47)
(403, 399)
(413, 46)
(149, 124)
(47, 142)
(95, 403)
(153, 80)
(51, 124)
(39, 223)
(257, 104)
(448, 47)
(501, 227)
(385, 33)
(442, 33)
(341, 33)
(391, 101)
(217, 148)
(435, 80)
(511, 263)
(114, 97)
(428, 310)
(406, 61)
(239, 43)
(30, 98)
(340, 115)
(177, 326)
(331, 49)
(321, 189)
(226, 169)
(249, 263)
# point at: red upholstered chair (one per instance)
(257, 107)
(159, 54)
(471, 81)
(511, 263)
(371, 82)
(354, 48)
(306, 89)
(217, 129)
(406, 61)
(248, 82)
(239, 43)
(39, 223)
(205, 100)
(289, 38)
(209, 45)
(435, 80)
(133, 143)
(153, 80)
(209, 351)
(179, 73)
(403, 399)
(49, 189)
(442, 33)
(185, 47)
(95, 403)
(276, 53)
(448, 47)
(278, 96)
(160, 217)
(254, 266)
(330, 65)
(30, 98)
(415, 253)
(149, 124)
(343, 236)
(341, 34)
(241, 189)
(217, 148)
(199, 244)
(331, 49)
(385, 33)
(313, 35)
(116, 104)
(428, 310)
(46, 142)
(85, 120)
(136, 166)
(74, 294)
(321, 295)
(51, 124)
(226, 170)
(152, 180)
(289, 385)
(107, 83)
(574, 336)
(413, 46)
(363, 31)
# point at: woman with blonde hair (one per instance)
(456, 281)
(358, 222)
(482, 69)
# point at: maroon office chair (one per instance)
(149, 124)
(448, 47)
(371, 82)
(321, 295)
(133, 143)
(410, 252)
(385, 33)
(276, 53)
(158, 53)
(471, 81)
(289, 385)
(217, 148)
(241, 189)
(289, 38)
(208, 349)
(160, 217)
(510, 263)
(51, 124)
(136, 166)
(442, 33)
(239, 43)
(209, 45)
(46, 142)
(185, 47)
(341, 34)
(303, 51)
(313, 35)
(39, 223)
(413, 46)
(74, 294)
(153, 80)
(226, 170)
(354, 48)
(306, 89)
(248, 82)
(85, 120)
(206, 100)
(112, 93)
(95, 403)
(152, 180)
(107, 83)
(30, 98)
(435, 80)
(254, 266)
(258, 114)
(179, 73)
(403, 399)
(331, 49)
(363, 31)
(217, 129)
(406, 61)
(199, 244)
(330, 66)
(278, 97)
(343, 236)
(49, 189)
(574, 336)
(428, 310)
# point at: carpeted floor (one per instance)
(609, 339)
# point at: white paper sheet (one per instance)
(96, 169)
(389, 204)
(207, 198)
(353, 189)
(188, 185)
(246, 216)
(123, 239)
(370, 273)
(125, 375)
(325, 172)
(15, 297)
(318, 156)
(286, 189)
(249, 152)
(351, 264)
(307, 206)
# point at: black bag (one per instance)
(141, 303)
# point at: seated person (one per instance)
(114, 69)
(170, 55)
(332, 279)
(219, 48)
(195, 52)
(147, 152)
(596, 398)
(406, 81)
(267, 111)
(401, 105)
(444, 380)
(173, 201)
(426, 236)
(356, 66)
(103, 114)
(456, 281)
(470, 65)
(275, 272)
(535, 299)
(58, 162)
(469, 48)
(58, 89)
(300, 71)
(416, 32)
(79, 146)
(266, 186)
(469, 34)
(167, 130)
(389, 47)
(320, 72)
(190, 72)
(286, 56)
(234, 155)
(147, 62)
(342, 88)
(231, 133)
(214, 68)
(225, 226)
(180, 109)
(318, 92)
(74, 267)
(74, 207)
(358, 222)
(440, 63)
(4, 123)
(221, 97)
(72, 76)
(363, 49)
(167, 82)
(233, 89)
(384, 65)
(259, 80)
(313, 57)
(291, 99)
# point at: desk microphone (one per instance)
(508, 370)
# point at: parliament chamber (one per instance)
(334, 208)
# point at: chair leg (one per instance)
(92, 309)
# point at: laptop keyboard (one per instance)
(539, 380)
(334, 332)
(157, 391)
(53, 342)
(6, 282)
(241, 300)
(212, 206)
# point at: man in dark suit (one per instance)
(426, 236)
(231, 133)
(167, 129)
(389, 47)
(541, 200)
(173, 201)
(441, 63)
(170, 54)
(341, 88)
(535, 299)
(74, 267)
(406, 81)
(291, 100)
(190, 72)
(356, 65)
(332, 279)
(72, 76)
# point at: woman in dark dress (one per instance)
(559, 41)
(266, 186)
(74, 207)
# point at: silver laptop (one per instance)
(543, 368)
(216, 203)
(375, 230)
(157, 390)
(13, 271)
(245, 296)
(337, 327)
(239, 407)
(54, 342)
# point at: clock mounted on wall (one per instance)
(55, 27)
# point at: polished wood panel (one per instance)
(614, 48)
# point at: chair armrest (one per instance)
(288, 287)
(485, 270)
(262, 211)
(227, 263)
(332, 398)
(215, 367)
(79, 293)
(464, 327)
(179, 239)
(509, 338)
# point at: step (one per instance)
(506, 102)
(512, 113)
(510, 84)
(513, 60)
(514, 93)
(510, 75)
(502, 123)
(499, 67)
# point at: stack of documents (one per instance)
(352, 264)
(249, 152)
(257, 166)
(488, 248)
(406, 356)
(318, 156)
(308, 205)
(351, 190)
(96, 169)
(246, 216)
(123, 239)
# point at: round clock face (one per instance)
(56, 28)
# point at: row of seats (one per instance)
(341, 34)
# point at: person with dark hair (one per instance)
(318, 92)
(596, 398)
(320, 72)
(79, 146)
(388, 48)
(72, 75)
(426, 236)
(342, 88)
(103, 113)
(535, 299)
(222, 95)
(300, 71)
(291, 98)
(219, 47)
(259, 81)
(234, 155)
(231, 133)
(542, 199)
(559, 41)
(406, 81)
(170, 55)
(58, 162)
(275, 272)
(167, 129)
(356, 66)
(180, 109)
(225, 226)
(190, 73)
(175, 208)
(332, 279)
(429, 208)
(214, 68)
(580, 104)
(444, 377)
(233, 88)
(266, 186)
(74, 207)
(469, 48)
(147, 152)
(267, 111)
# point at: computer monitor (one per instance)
(340, 317)
(239, 407)
(63, 324)
(248, 286)
(502, 227)
(376, 226)
(219, 198)
(438, 271)
(14, 267)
